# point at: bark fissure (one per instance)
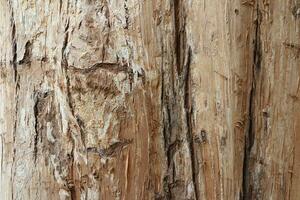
(176, 92)
(183, 61)
(180, 35)
(189, 117)
(27, 54)
(250, 134)
(64, 61)
(36, 136)
(247, 150)
(64, 65)
(60, 5)
(17, 87)
(126, 15)
(166, 129)
(166, 135)
(14, 46)
(171, 108)
(71, 175)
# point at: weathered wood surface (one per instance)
(138, 99)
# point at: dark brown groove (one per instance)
(183, 61)
(60, 6)
(250, 133)
(36, 136)
(64, 66)
(27, 54)
(167, 132)
(180, 35)
(176, 93)
(126, 15)
(71, 175)
(17, 87)
(189, 117)
(166, 129)
(14, 50)
(246, 194)
(14, 43)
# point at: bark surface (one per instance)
(140, 99)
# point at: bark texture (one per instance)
(140, 99)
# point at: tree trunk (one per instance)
(161, 99)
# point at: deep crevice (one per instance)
(183, 61)
(71, 176)
(126, 15)
(60, 6)
(14, 50)
(180, 34)
(14, 44)
(189, 117)
(176, 92)
(27, 54)
(64, 65)
(166, 131)
(17, 87)
(40, 98)
(36, 136)
(250, 135)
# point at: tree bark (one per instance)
(161, 99)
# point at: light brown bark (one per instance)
(162, 99)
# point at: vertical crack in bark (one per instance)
(64, 61)
(250, 135)
(189, 114)
(40, 98)
(257, 43)
(166, 127)
(166, 134)
(247, 150)
(71, 176)
(64, 65)
(14, 44)
(60, 6)
(126, 15)
(177, 105)
(17, 87)
(180, 34)
(36, 136)
(27, 54)
(183, 62)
